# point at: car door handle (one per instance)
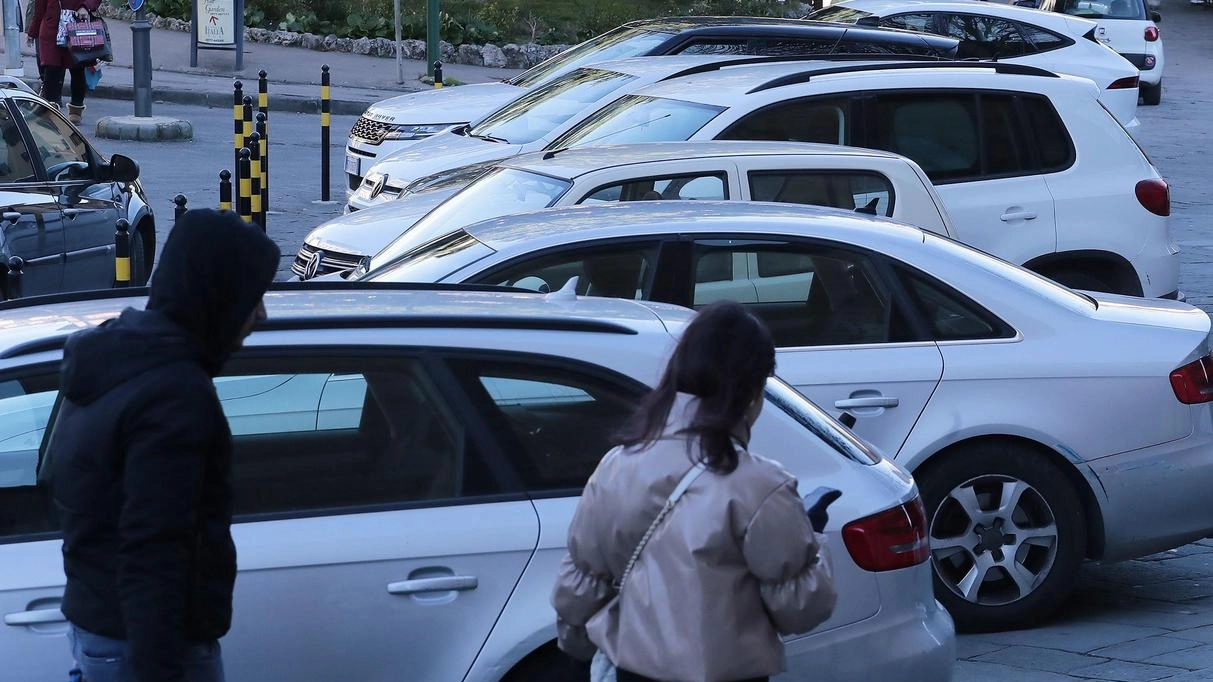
(446, 583)
(35, 617)
(11, 216)
(72, 212)
(868, 401)
(1018, 215)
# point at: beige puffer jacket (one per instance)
(731, 568)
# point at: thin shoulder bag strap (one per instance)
(679, 489)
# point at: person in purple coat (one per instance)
(54, 61)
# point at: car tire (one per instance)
(970, 530)
(1151, 94)
(138, 260)
(549, 664)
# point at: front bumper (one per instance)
(312, 262)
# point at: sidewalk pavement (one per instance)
(294, 74)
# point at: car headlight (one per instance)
(415, 132)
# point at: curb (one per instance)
(294, 104)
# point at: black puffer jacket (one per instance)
(140, 458)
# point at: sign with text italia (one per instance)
(217, 22)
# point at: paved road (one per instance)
(1144, 620)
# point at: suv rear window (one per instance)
(1104, 9)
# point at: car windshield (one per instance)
(839, 14)
(453, 178)
(434, 261)
(1104, 9)
(639, 118)
(501, 192)
(542, 110)
(619, 43)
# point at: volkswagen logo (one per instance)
(313, 265)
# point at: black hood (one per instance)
(213, 271)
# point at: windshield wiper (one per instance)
(489, 138)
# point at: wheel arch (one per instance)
(1109, 267)
(1084, 483)
(144, 225)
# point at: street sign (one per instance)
(217, 25)
(135, 5)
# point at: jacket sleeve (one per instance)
(790, 561)
(35, 23)
(584, 584)
(166, 444)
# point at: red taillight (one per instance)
(894, 538)
(1151, 34)
(1125, 83)
(1155, 196)
(1193, 383)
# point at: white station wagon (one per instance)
(878, 182)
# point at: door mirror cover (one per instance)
(123, 169)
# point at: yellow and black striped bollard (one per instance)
(325, 122)
(437, 75)
(247, 118)
(122, 253)
(245, 187)
(254, 146)
(225, 190)
(264, 151)
(237, 120)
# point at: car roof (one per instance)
(536, 230)
(729, 84)
(39, 324)
(1052, 20)
(773, 26)
(577, 161)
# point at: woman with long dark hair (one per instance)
(54, 60)
(688, 555)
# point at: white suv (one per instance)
(826, 175)
(1029, 165)
(1130, 28)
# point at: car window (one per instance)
(501, 191)
(17, 164)
(804, 120)
(624, 271)
(62, 148)
(562, 418)
(1104, 9)
(838, 189)
(703, 187)
(619, 43)
(337, 433)
(25, 409)
(544, 109)
(923, 22)
(950, 314)
(639, 118)
(808, 295)
(985, 37)
(1052, 140)
(839, 14)
(1042, 40)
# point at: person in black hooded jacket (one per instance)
(140, 461)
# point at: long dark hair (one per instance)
(723, 358)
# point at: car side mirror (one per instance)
(873, 22)
(123, 169)
(1156, 16)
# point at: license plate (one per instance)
(351, 164)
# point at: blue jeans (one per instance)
(103, 659)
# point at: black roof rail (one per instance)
(998, 67)
(776, 59)
(312, 285)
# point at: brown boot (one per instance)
(75, 113)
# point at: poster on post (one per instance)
(217, 22)
(217, 25)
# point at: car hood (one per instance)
(1151, 312)
(464, 104)
(441, 152)
(366, 232)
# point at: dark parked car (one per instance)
(60, 199)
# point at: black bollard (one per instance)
(15, 267)
(225, 190)
(122, 253)
(179, 209)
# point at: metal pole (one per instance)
(399, 45)
(141, 52)
(325, 121)
(432, 35)
(12, 40)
